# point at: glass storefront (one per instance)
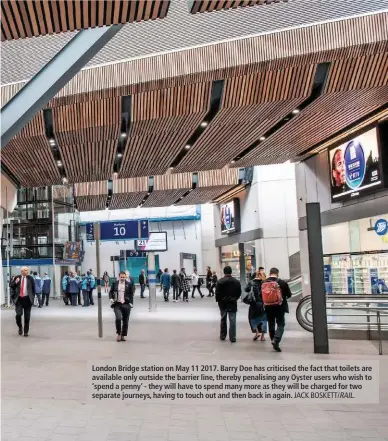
(230, 255)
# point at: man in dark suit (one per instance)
(121, 297)
(228, 291)
(23, 292)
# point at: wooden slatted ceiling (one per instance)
(354, 88)
(87, 135)
(126, 200)
(91, 203)
(28, 156)
(204, 195)
(162, 121)
(218, 5)
(251, 105)
(91, 188)
(31, 18)
(214, 178)
(164, 198)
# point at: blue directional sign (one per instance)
(124, 230)
(90, 231)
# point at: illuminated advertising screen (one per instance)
(355, 166)
(230, 217)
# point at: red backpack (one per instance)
(271, 293)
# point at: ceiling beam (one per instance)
(50, 80)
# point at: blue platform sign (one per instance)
(124, 230)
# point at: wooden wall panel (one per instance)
(130, 185)
(214, 178)
(31, 18)
(91, 188)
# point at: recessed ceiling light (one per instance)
(171, 168)
(119, 155)
(64, 180)
(232, 162)
(262, 138)
(106, 208)
(148, 193)
(123, 135)
(295, 111)
(52, 141)
(187, 146)
(204, 124)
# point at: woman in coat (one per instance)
(213, 284)
(256, 314)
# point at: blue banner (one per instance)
(327, 276)
(124, 230)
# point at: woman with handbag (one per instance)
(256, 314)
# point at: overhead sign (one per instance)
(157, 241)
(122, 230)
(381, 227)
(72, 250)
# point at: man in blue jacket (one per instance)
(38, 288)
(165, 282)
(46, 288)
(74, 286)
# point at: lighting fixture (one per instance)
(119, 155)
(114, 175)
(204, 124)
(123, 135)
(187, 146)
(171, 168)
(64, 180)
(148, 193)
(106, 208)
(262, 138)
(52, 141)
(59, 163)
(295, 111)
(232, 162)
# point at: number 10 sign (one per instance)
(122, 230)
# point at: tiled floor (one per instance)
(44, 380)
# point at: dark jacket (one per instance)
(256, 309)
(214, 280)
(142, 279)
(15, 288)
(209, 276)
(175, 282)
(228, 291)
(128, 293)
(286, 293)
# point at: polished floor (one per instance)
(44, 379)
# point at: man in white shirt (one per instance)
(121, 298)
(195, 279)
(23, 292)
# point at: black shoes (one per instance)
(276, 346)
(233, 340)
(25, 335)
(222, 338)
(20, 330)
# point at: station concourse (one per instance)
(160, 137)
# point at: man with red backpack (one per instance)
(275, 293)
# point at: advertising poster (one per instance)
(227, 218)
(327, 276)
(355, 166)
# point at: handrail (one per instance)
(376, 306)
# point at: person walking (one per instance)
(275, 293)
(209, 276)
(105, 278)
(85, 289)
(256, 314)
(213, 284)
(121, 297)
(196, 284)
(184, 285)
(228, 291)
(38, 288)
(22, 292)
(142, 283)
(46, 288)
(175, 283)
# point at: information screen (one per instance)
(355, 167)
(228, 217)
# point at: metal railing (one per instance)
(33, 251)
(349, 312)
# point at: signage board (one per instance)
(72, 250)
(230, 217)
(89, 231)
(157, 241)
(381, 227)
(124, 230)
(355, 166)
(132, 253)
